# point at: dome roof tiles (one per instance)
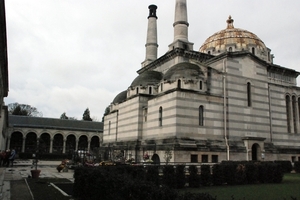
(240, 38)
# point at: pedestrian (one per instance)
(2, 156)
(6, 158)
(12, 157)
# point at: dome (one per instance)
(147, 78)
(120, 97)
(234, 39)
(183, 70)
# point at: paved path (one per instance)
(21, 170)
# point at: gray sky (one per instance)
(69, 55)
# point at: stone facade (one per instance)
(207, 105)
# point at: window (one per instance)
(137, 90)
(160, 116)
(253, 50)
(204, 158)
(201, 117)
(161, 87)
(194, 158)
(208, 52)
(214, 158)
(145, 114)
(294, 113)
(293, 158)
(200, 85)
(179, 83)
(288, 112)
(249, 94)
(150, 90)
(230, 49)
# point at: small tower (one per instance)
(181, 27)
(151, 43)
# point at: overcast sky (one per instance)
(69, 55)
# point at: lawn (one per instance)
(289, 189)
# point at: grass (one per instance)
(288, 189)
(42, 190)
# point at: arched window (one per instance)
(288, 112)
(179, 83)
(294, 113)
(201, 116)
(253, 50)
(137, 90)
(200, 85)
(249, 94)
(230, 49)
(208, 52)
(160, 116)
(150, 90)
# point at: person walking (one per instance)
(12, 157)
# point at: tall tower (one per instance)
(151, 43)
(181, 27)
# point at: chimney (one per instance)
(151, 43)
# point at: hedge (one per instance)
(297, 166)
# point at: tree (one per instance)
(168, 155)
(86, 115)
(106, 112)
(64, 116)
(23, 109)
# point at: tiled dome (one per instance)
(234, 39)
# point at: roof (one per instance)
(241, 39)
(52, 123)
(147, 78)
(183, 70)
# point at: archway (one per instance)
(58, 143)
(83, 143)
(30, 142)
(44, 146)
(71, 144)
(156, 159)
(16, 141)
(255, 151)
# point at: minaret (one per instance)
(181, 27)
(151, 43)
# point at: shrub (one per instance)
(205, 176)
(251, 172)
(240, 175)
(217, 176)
(297, 166)
(152, 175)
(180, 176)
(229, 169)
(194, 178)
(168, 178)
(286, 165)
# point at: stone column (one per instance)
(23, 145)
(76, 148)
(8, 142)
(64, 145)
(89, 145)
(51, 145)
